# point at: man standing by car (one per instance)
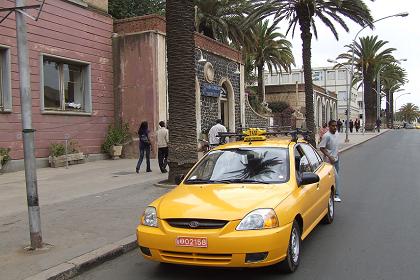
(329, 147)
(214, 140)
(162, 142)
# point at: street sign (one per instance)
(211, 90)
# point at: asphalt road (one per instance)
(375, 235)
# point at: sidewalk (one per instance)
(88, 213)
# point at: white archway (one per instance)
(328, 112)
(319, 112)
(230, 102)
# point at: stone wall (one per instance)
(253, 119)
(222, 71)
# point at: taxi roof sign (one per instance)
(258, 134)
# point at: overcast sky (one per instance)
(402, 33)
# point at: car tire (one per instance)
(291, 263)
(329, 217)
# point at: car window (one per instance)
(311, 155)
(301, 161)
(258, 164)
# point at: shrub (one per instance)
(116, 136)
(59, 149)
(278, 107)
(5, 153)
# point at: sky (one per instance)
(402, 33)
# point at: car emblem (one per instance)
(194, 224)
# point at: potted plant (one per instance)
(59, 158)
(116, 137)
(4, 157)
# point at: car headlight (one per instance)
(149, 217)
(259, 219)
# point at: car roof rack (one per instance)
(257, 134)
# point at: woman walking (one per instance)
(144, 146)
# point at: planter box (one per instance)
(115, 152)
(70, 158)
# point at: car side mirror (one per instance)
(179, 178)
(308, 178)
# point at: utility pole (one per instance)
(27, 129)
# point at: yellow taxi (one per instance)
(248, 203)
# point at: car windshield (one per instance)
(264, 165)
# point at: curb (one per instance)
(87, 261)
(364, 141)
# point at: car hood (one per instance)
(221, 202)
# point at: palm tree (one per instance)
(409, 112)
(392, 78)
(304, 12)
(369, 56)
(224, 20)
(271, 49)
(181, 86)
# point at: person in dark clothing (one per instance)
(378, 124)
(351, 125)
(357, 125)
(144, 146)
(339, 125)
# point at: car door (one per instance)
(308, 193)
(324, 173)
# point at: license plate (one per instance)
(199, 242)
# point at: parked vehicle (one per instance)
(244, 204)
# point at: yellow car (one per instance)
(244, 204)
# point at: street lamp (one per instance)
(352, 66)
(395, 100)
(348, 93)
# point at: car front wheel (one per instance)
(329, 217)
(291, 263)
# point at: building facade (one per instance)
(140, 79)
(325, 101)
(329, 78)
(70, 56)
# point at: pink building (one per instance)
(70, 53)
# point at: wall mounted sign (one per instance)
(211, 90)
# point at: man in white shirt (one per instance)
(329, 147)
(214, 131)
(162, 143)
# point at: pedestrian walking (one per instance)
(351, 124)
(329, 147)
(214, 140)
(378, 124)
(322, 131)
(145, 146)
(340, 125)
(357, 125)
(162, 143)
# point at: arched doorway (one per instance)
(227, 105)
(319, 112)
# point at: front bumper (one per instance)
(226, 246)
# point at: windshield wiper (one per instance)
(250, 181)
(202, 181)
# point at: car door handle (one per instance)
(317, 186)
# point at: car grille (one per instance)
(196, 223)
(195, 258)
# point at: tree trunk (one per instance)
(304, 22)
(391, 109)
(388, 108)
(370, 99)
(261, 89)
(181, 86)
